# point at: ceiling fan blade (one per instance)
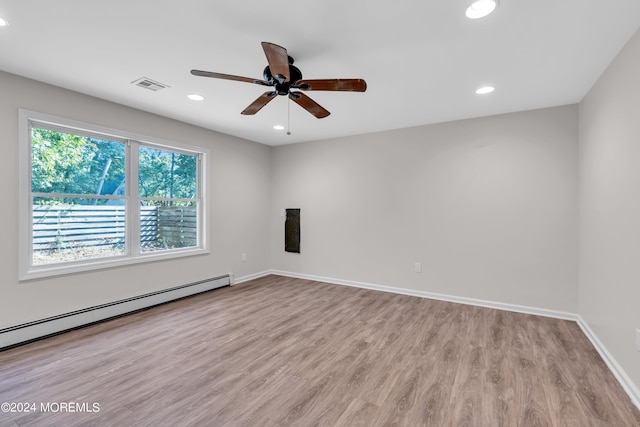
(278, 60)
(228, 77)
(309, 104)
(349, 85)
(256, 105)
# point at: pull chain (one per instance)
(288, 116)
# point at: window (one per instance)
(93, 197)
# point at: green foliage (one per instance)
(56, 159)
(166, 174)
(70, 164)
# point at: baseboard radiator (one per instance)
(26, 332)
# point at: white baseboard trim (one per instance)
(436, 296)
(627, 384)
(250, 277)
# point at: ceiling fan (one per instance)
(283, 76)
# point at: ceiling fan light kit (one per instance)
(283, 76)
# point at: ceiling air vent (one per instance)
(149, 84)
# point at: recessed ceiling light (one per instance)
(3, 22)
(195, 97)
(481, 8)
(278, 127)
(485, 89)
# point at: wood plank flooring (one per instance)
(288, 352)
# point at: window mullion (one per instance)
(133, 199)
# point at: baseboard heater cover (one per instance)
(26, 332)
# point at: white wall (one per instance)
(488, 205)
(240, 180)
(609, 293)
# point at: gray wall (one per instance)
(489, 206)
(240, 180)
(610, 208)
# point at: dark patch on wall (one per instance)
(292, 231)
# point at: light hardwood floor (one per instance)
(279, 351)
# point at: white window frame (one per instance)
(133, 254)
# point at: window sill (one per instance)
(45, 271)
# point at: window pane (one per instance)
(168, 225)
(77, 229)
(166, 174)
(72, 164)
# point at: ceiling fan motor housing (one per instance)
(283, 88)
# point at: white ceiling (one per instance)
(422, 59)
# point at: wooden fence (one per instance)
(177, 226)
(56, 227)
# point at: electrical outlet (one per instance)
(418, 267)
(244, 256)
(638, 339)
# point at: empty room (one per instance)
(339, 214)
